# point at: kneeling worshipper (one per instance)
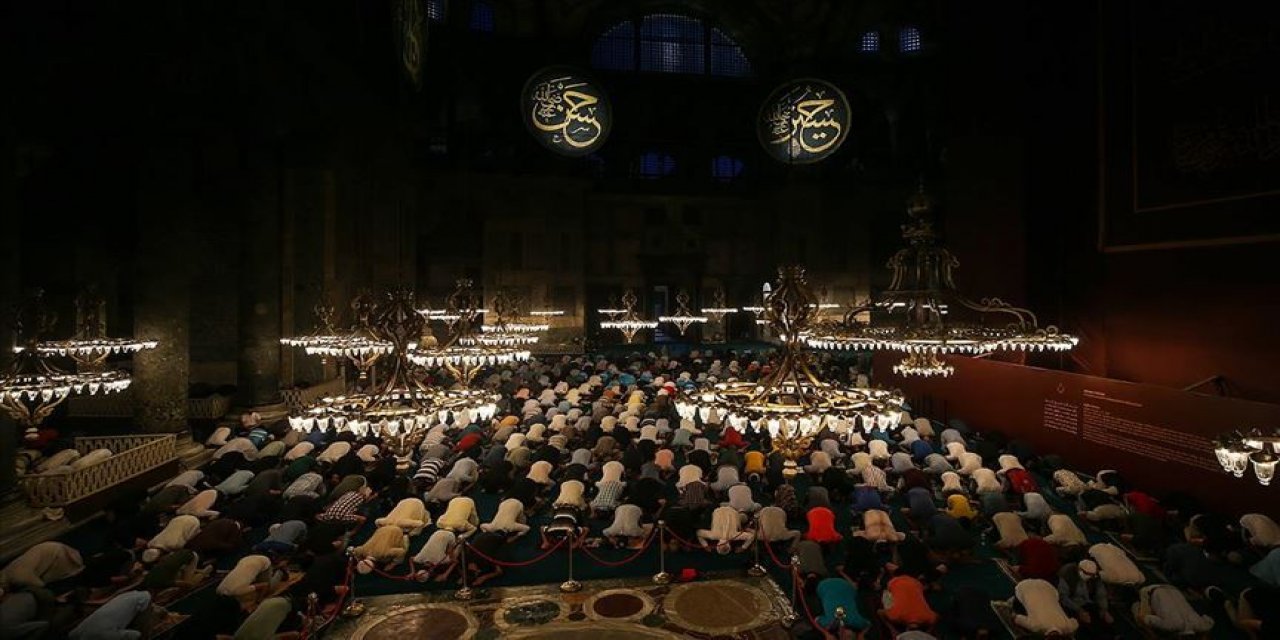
(726, 529)
(877, 527)
(180, 569)
(282, 538)
(1189, 566)
(809, 562)
(460, 517)
(1009, 526)
(127, 616)
(218, 538)
(1037, 559)
(1063, 532)
(1163, 608)
(1260, 531)
(1268, 568)
(437, 558)
(822, 526)
(201, 505)
(410, 514)
(1084, 594)
(509, 519)
(626, 529)
(772, 526)
(252, 578)
(905, 606)
(344, 510)
(1038, 609)
(271, 620)
(41, 565)
(741, 499)
(388, 544)
(488, 547)
(839, 599)
(174, 536)
(1114, 565)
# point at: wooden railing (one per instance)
(134, 455)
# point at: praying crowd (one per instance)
(590, 453)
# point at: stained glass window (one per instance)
(482, 16)
(669, 43)
(870, 42)
(726, 167)
(909, 40)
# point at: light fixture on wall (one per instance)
(1237, 450)
(790, 402)
(922, 311)
(683, 318)
(34, 385)
(629, 322)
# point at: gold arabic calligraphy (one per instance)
(563, 109)
(806, 121)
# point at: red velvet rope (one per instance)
(773, 556)
(526, 563)
(813, 622)
(629, 559)
(337, 608)
(408, 576)
(686, 543)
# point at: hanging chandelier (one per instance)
(683, 318)
(1236, 450)
(628, 321)
(924, 365)
(718, 309)
(505, 331)
(611, 310)
(357, 345)
(922, 312)
(790, 402)
(33, 386)
(403, 406)
(468, 349)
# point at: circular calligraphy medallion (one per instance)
(567, 111)
(411, 37)
(804, 121)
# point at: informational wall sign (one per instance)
(1157, 436)
(804, 121)
(566, 111)
(411, 38)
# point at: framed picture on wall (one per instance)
(1189, 108)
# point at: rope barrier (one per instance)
(406, 577)
(526, 563)
(628, 560)
(682, 541)
(804, 604)
(773, 556)
(337, 606)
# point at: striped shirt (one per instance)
(343, 509)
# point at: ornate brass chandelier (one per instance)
(505, 331)
(718, 309)
(403, 406)
(925, 365)
(357, 345)
(1236, 450)
(923, 313)
(611, 310)
(628, 321)
(683, 318)
(466, 350)
(34, 385)
(791, 403)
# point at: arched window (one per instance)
(482, 16)
(655, 164)
(726, 167)
(669, 43)
(436, 10)
(909, 39)
(870, 42)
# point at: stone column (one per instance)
(162, 288)
(258, 377)
(10, 294)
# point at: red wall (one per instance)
(1157, 436)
